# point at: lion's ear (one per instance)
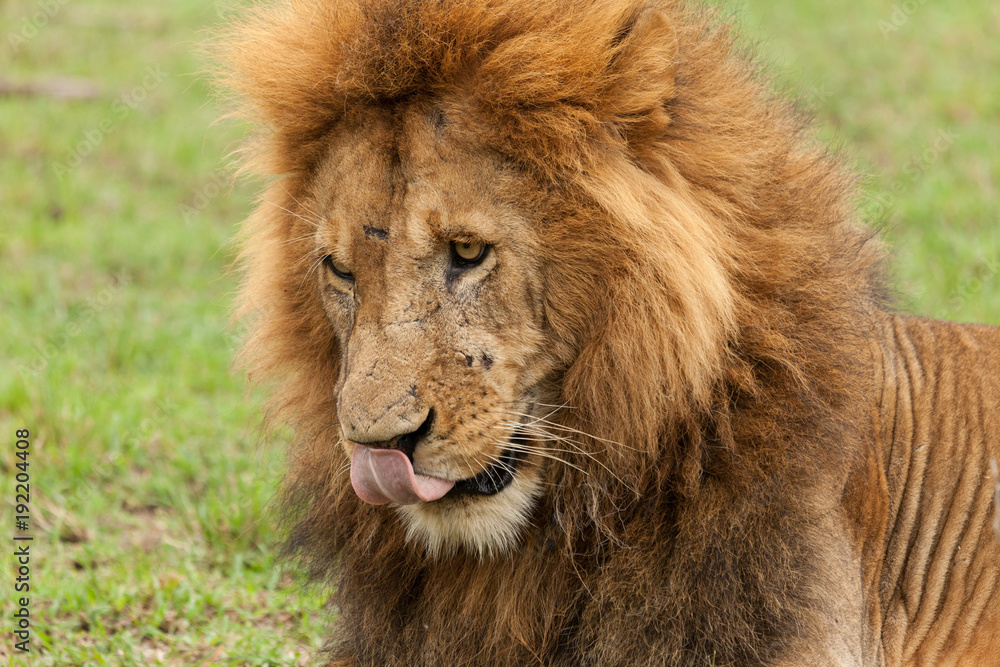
(641, 77)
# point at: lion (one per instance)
(588, 355)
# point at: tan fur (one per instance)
(736, 455)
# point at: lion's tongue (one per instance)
(380, 476)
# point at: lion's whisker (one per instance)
(536, 431)
(297, 239)
(496, 459)
(500, 463)
(564, 406)
(472, 470)
(314, 223)
(548, 455)
(342, 469)
(542, 450)
(551, 424)
(532, 435)
(311, 270)
(305, 208)
(578, 449)
(545, 452)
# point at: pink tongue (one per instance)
(381, 476)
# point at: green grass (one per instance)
(149, 488)
(913, 98)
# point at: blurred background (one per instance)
(149, 483)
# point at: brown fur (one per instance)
(690, 281)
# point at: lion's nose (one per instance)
(396, 435)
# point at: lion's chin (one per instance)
(484, 525)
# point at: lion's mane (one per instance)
(711, 289)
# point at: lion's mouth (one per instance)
(381, 476)
(494, 479)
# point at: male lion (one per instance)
(588, 356)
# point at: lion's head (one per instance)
(475, 278)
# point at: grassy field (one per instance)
(152, 545)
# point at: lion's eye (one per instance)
(336, 267)
(468, 254)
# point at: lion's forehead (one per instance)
(398, 177)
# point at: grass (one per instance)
(152, 544)
(913, 99)
(149, 489)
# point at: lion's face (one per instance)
(428, 270)
(500, 221)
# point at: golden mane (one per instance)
(713, 294)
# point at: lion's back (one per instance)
(940, 428)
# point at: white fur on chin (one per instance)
(484, 525)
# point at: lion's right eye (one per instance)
(336, 267)
(466, 254)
